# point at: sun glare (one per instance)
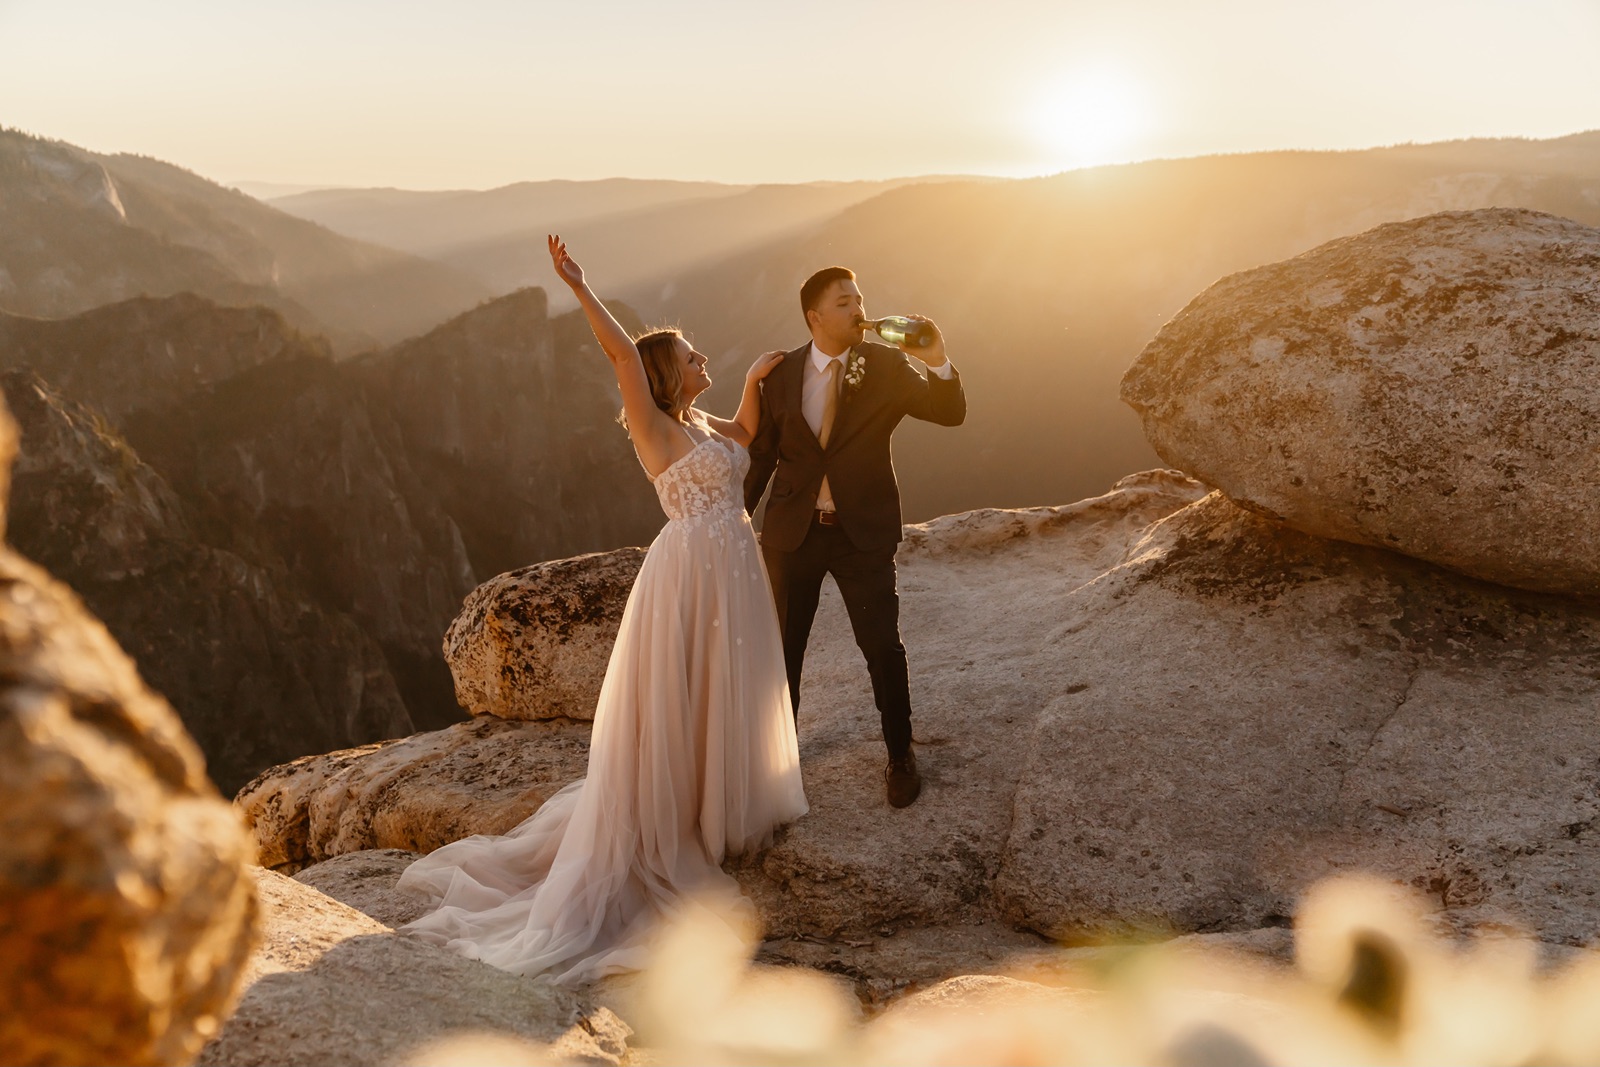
(1091, 117)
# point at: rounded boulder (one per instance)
(1428, 386)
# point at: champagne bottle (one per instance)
(899, 330)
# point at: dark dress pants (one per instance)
(866, 581)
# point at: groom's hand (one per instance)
(933, 355)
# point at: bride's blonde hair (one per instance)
(663, 369)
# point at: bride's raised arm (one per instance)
(657, 437)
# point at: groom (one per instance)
(827, 413)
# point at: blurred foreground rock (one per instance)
(1430, 386)
(126, 913)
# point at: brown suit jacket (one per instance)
(856, 462)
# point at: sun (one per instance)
(1089, 117)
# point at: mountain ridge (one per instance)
(67, 245)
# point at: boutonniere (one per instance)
(855, 369)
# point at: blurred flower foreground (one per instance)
(1371, 984)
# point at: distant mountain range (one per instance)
(631, 232)
(78, 230)
(426, 223)
(270, 190)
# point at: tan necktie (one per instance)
(831, 408)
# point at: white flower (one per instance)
(855, 370)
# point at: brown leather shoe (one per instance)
(903, 780)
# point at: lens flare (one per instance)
(1092, 117)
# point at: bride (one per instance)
(693, 754)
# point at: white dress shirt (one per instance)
(814, 399)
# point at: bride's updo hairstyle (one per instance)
(658, 351)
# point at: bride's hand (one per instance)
(565, 265)
(763, 366)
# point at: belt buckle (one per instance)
(827, 518)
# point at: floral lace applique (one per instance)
(705, 488)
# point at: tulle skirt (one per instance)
(693, 757)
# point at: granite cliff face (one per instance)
(507, 416)
(283, 539)
(292, 462)
(260, 670)
(150, 353)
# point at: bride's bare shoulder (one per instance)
(710, 423)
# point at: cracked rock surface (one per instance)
(533, 643)
(1427, 386)
(1263, 708)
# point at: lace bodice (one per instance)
(707, 482)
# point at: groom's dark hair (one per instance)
(811, 292)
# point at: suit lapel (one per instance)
(795, 367)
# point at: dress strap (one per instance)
(694, 443)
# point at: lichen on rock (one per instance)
(533, 643)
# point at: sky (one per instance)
(480, 93)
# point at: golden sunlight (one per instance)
(1093, 116)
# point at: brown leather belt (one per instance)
(827, 518)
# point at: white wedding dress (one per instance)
(692, 757)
